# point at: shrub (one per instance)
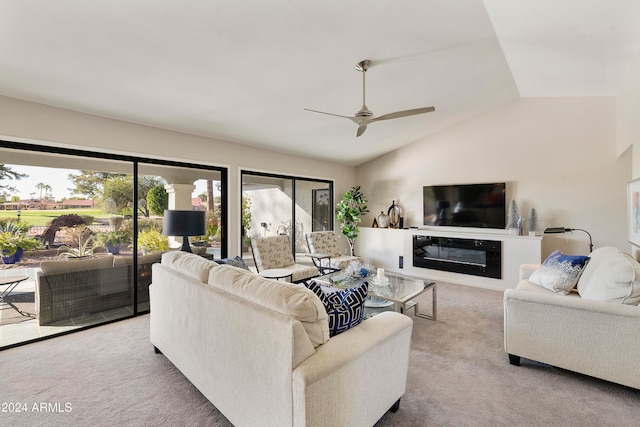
(152, 241)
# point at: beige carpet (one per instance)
(458, 376)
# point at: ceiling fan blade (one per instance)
(361, 130)
(404, 113)
(329, 114)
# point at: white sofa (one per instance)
(260, 350)
(594, 330)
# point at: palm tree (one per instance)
(41, 186)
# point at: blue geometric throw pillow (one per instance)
(345, 307)
(559, 272)
(236, 262)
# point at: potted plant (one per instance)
(112, 240)
(349, 210)
(14, 241)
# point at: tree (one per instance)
(157, 200)
(209, 199)
(146, 183)
(7, 173)
(43, 187)
(120, 190)
(90, 183)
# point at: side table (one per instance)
(11, 282)
(277, 273)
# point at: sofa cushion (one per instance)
(190, 264)
(611, 276)
(66, 266)
(287, 298)
(345, 307)
(559, 272)
(237, 261)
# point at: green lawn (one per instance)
(43, 217)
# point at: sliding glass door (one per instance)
(277, 204)
(79, 232)
(161, 187)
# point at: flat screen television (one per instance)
(467, 205)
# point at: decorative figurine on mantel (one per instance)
(532, 222)
(395, 215)
(383, 220)
(514, 220)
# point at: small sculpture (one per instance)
(513, 216)
(394, 213)
(383, 220)
(532, 221)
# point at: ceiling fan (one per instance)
(364, 116)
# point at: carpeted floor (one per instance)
(458, 376)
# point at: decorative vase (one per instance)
(383, 220)
(13, 258)
(394, 213)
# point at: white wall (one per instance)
(557, 155)
(628, 105)
(35, 123)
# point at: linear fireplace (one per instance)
(466, 256)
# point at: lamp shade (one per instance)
(183, 223)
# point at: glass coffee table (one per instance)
(400, 291)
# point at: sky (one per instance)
(58, 180)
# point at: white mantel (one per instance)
(384, 247)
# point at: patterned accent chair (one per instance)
(275, 252)
(325, 252)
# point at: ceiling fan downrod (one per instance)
(363, 66)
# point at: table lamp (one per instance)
(184, 224)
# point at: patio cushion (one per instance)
(65, 266)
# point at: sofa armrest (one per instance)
(374, 356)
(526, 270)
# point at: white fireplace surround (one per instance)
(384, 247)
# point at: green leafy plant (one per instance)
(246, 220)
(349, 210)
(152, 241)
(11, 240)
(115, 237)
(213, 227)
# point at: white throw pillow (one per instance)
(611, 276)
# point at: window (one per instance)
(91, 227)
(277, 204)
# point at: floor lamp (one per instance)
(184, 224)
(554, 230)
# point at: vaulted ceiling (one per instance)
(243, 71)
